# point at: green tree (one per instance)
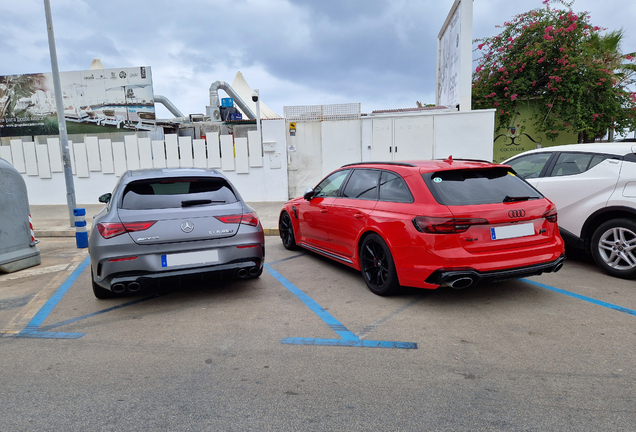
(552, 58)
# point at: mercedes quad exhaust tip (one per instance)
(247, 272)
(118, 288)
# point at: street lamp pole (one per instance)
(59, 102)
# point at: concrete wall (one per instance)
(97, 163)
(319, 147)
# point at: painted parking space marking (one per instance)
(374, 326)
(582, 297)
(348, 338)
(34, 330)
(92, 314)
(38, 271)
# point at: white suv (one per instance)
(594, 189)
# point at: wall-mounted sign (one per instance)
(454, 57)
(94, 101)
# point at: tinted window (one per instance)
(477, 186)
(530, 166)
(175, 193)
(575, 163)
(329, 186)
(597, 159)
(393, 188)
(570, 164)
(362, 184)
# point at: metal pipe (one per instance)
(169, 105)
(215, 101)
(61, 120)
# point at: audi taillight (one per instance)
(551, 215)
(445, 225)
(250, 219)
(113, 229)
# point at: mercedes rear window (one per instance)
(177, 192)
(478, 186)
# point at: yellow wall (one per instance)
(515, 138)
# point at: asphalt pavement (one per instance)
(55, 220)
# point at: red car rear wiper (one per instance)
(515, 199)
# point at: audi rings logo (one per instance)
(516, 213)
(187, 226)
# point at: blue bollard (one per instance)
(81, 235)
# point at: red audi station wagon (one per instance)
(427, 224)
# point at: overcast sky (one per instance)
(296, 52)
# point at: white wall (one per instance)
(304, 153)
(319, 147)
(269, 182)
(428, 134)
(97, 164)
(340, 144)
(465, 134)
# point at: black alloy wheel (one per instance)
(377, 266)
(286, 230)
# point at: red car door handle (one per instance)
(358, 215)
(323, 210)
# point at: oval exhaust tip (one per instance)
(118, 288)
(134, 287)
(242, 273)
(461, 283)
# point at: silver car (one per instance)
(160, 226)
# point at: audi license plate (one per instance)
(512, 231)
(199, 257)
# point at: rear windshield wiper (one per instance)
(518, 198)
(190, 203)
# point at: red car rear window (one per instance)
(478, 186)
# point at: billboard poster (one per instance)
(95, 101)
(449, 55)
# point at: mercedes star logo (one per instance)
(516, 213)
(187, 226)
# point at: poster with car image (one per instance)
(94, 102)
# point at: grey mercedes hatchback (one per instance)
(161, 226)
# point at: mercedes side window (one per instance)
(394, 189)
(330, 186)
(363, 184)
(530, 166)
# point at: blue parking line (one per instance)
(582, 297)
(92, 314)
(32, 329)
(348, 338)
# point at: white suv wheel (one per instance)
(614, 247)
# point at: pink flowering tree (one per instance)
(573, 74)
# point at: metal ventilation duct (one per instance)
(169, 105)
(213, 110)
